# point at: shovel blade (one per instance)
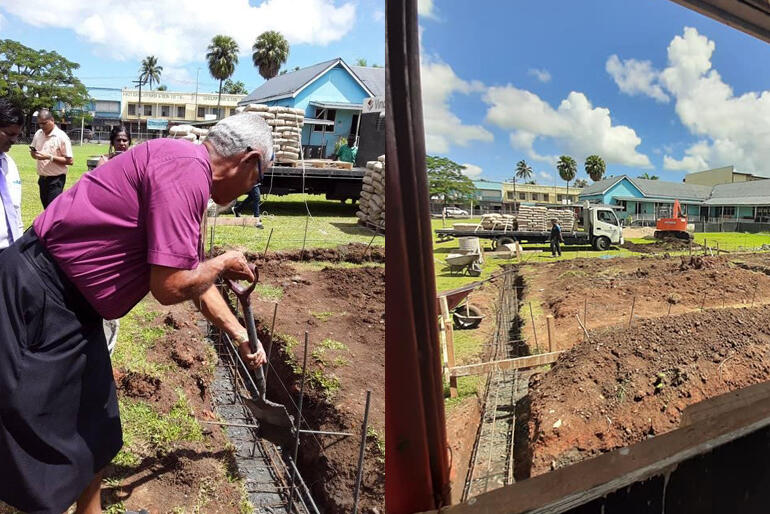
(275, 424)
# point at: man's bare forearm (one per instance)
(216, 310)
(188, 284)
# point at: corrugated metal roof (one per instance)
(601, 186)
(657, 200)
(746, 200)
(337, 105)
(374, 78)
(286, 84)
(754, 192)
(676, 190)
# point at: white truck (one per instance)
(601, 229)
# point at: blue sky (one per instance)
(109, 38)
(649, 86)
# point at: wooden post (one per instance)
(532, 317)
(717, 248)
(703, 302)
(631, 317)
(449, 347)
(551, 332)
(450, 350)
(669, 310)
(704, 246)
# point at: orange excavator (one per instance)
(674, 227)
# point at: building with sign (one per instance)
(332, 94)
(160, 110)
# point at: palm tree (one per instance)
(581, 183)
(222, 57)
(595, 167)
(647, 176)
(150, 72)
(270, 51)
(360, 62)
(523, 172)
(567, 169)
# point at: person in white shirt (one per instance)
(11, 228)
(52, 149)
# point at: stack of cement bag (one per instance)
(372, 202)
(532, 219)
(498, 222)
(286, 124)
(187, 132)
(565, 217)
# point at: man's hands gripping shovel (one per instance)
(275, 423)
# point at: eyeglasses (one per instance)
(259, 162)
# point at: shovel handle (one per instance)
(259, 374)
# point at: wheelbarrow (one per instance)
(464, 263)
(464, 315)
(275, 424)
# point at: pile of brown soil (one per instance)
(356, 253)
(668, 245)
(625, 385)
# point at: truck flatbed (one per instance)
(509, 236)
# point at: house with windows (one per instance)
(488, 196)
(745, 200)
(536, 194)
(332, 94)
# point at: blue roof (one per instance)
(491, 186)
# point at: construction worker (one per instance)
(131, 226)
(556, 238)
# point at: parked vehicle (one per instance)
(74, 135)
(601, 229)
(455, 212)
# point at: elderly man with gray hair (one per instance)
(129, 227)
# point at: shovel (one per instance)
(275, 423)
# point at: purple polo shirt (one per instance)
(142, 207)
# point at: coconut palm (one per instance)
(150, 71)
(567, 169)
(222, 57)
(595, 167)
(647, 176)
(581, 183)
(523, 172)
(270, 51)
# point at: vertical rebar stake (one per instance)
(370, 244)
(270, 340)
(532, 317)
(304, 239)
(269, 237)
(361, 453)
(299, 424)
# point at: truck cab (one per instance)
(602, 225)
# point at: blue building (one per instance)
(488, 196)
(641, 199)
(331, 93)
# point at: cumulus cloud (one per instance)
(425, 8)
(178, 31)
(541, 75)
(578, 128)
(730, 129)
(636, 77)
(442, 127)
(471, 170)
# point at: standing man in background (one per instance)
(11, 228)
(52, 149)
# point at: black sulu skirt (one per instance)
(59, 420)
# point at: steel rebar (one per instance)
(269, 237)
(299, 422)
(361, 450)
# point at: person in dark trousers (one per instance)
(255, 199)
(52, 150)
(556, 239)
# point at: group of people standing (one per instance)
(129, 227)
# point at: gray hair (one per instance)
(234, 134)
(44, 114)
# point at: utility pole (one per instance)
(139, 108)
(196, 92)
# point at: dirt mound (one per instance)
(625, 385)
(669, 245)
(356, 253)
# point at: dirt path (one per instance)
(627, 385)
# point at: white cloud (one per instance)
(378, 15)
(178, 77)
(731, 129)
(471, 170)
(544, 175)
(576, 126)
(541, 75)
(178, 31)
(425, 8)
(636, 77)
(442, 127)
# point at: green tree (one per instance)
(445, 180)
(595, 167)
(581, 183)
(523, 172)
(150, 71)
(162, 87)
(360, 62)
(270, 52)
(567, 169)
(32, 79)
(222, 57)
(234, 88)
(647, 176)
